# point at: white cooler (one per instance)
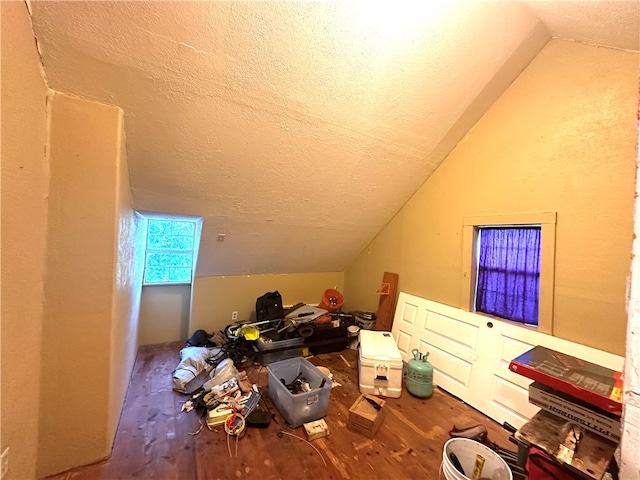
(379, 364)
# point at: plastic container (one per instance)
(466, 451)
(365, 320)
(264, 347)
(379, 364)
(332, 300)
(303, 407)
(353, 330)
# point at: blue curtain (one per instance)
(509, 273)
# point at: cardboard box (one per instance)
(364, 418)
(605, 424)
(591, 383)
(316, 429)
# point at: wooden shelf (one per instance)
(387, 304)
(384, 289)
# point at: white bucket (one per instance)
(495, 468)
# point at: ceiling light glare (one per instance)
(389, 20)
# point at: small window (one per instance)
(169, 251)
(476, 295)
(508, 277)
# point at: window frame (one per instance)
(547, 222)
(147, 250)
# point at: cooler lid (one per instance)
(378, 346)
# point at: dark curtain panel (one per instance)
(509, 273)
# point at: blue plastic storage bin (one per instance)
(266, 358)
(303, 407)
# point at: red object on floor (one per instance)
(541, 467)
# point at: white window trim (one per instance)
(547, 222)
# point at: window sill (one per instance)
(493, 318)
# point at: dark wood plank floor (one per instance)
(155, 439)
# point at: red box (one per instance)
(587, 381)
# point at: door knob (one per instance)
(490, 324)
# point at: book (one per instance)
(602, 423)
(591, 383)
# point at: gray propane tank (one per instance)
(419, 375)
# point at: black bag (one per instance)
(269, 307)
(200, 338)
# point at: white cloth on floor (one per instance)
(193, 370)
(223, 372)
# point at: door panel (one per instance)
(471, 359)
(403, 340)
(405, 326)
(508, 400)
(453, 372)
(453, 330)
(461, 350)
(452, 343)
(409, 314)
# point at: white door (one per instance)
(470, 354)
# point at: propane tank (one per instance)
(420, 375)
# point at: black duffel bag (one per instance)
(269, 307)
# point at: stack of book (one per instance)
(580, 391)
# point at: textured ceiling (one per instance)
(298, 129)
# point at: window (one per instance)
(508, 278)
(169, 250)
(489, 284)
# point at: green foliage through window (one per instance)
(169, 251)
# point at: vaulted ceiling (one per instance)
(298, 129)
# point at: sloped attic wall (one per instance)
(24, 188)
(69, 302)
(298, 129)
(92, 286)
(562, 138)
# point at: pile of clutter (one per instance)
(299, 384)
(228, 391)
(208, 360)
(220, 393)
(224, 397)
(300, 319)
(210, 367)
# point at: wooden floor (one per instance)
(155, 439)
